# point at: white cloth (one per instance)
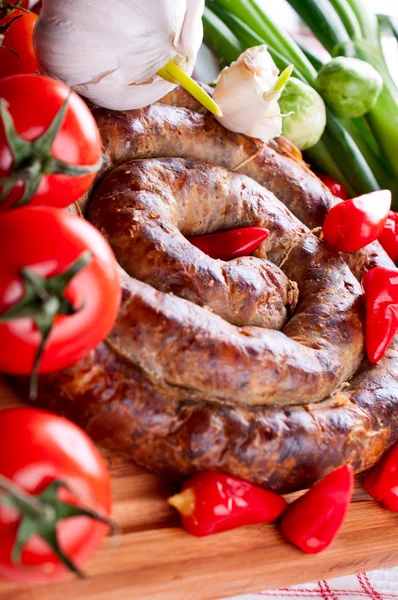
(377, 585)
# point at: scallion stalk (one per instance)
(249, 37)
(352, 164)
(256, 18)
(220, 39)
(348, 18)
(366, 20)
(323, 20)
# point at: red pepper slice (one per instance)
(213, 502)
(381, 482)
(353, 224)
(381, 297)
(336, 188)
(312, 522)
(227, 245)
(389, 236)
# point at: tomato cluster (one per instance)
(59, 297)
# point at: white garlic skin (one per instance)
(245, 94)
(110, 50)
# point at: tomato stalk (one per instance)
(3, 30)
(41, 514)
(43, 300)
(7, 7)
(33, 160)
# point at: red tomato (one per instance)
(17, 54)
(389, 236)
(7, 7)
(336, 188)
(353, 224)
(77, 142)
(36, 449)
(49, 240)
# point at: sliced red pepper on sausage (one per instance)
(353, 224)
(336, 188)
(381, 297)
(213, 502)
(389, 236)
(227, 245)
(382, 481)
(312, 522)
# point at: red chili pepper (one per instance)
(389, 236)
(382, 481)
(227, 245)
(213, 502)
(381, 297)
(353, 224)
(334, 186)
(312, 522)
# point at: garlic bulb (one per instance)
(248, 92)
(110, 51)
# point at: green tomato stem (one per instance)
(43, 300)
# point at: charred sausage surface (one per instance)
(178, 387)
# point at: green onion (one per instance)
(220, 39)
(323, 20)
(366, 19)
(320, 156)
(362, 136)
(352, 164)
(257, 19)
(249, 37)
(383, 118)
(348, 18)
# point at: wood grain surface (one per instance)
(154, 558)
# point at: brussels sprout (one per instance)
(349, 86)
(305, 114)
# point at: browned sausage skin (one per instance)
(120, 393)
(143, 207)
(281, 449)
(165, 131)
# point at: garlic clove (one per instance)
(111, 50)
(246, 94)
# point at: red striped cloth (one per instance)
(377, 585)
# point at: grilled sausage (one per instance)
(143, 207)
(165, 131)
(181, 390)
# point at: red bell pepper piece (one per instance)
(381, 297)
(336, 188)
(381, 482)
(227, 245)
(389, 236)
(312, 522)
(353, 224)
(213, 502)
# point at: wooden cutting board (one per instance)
(155, 559)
